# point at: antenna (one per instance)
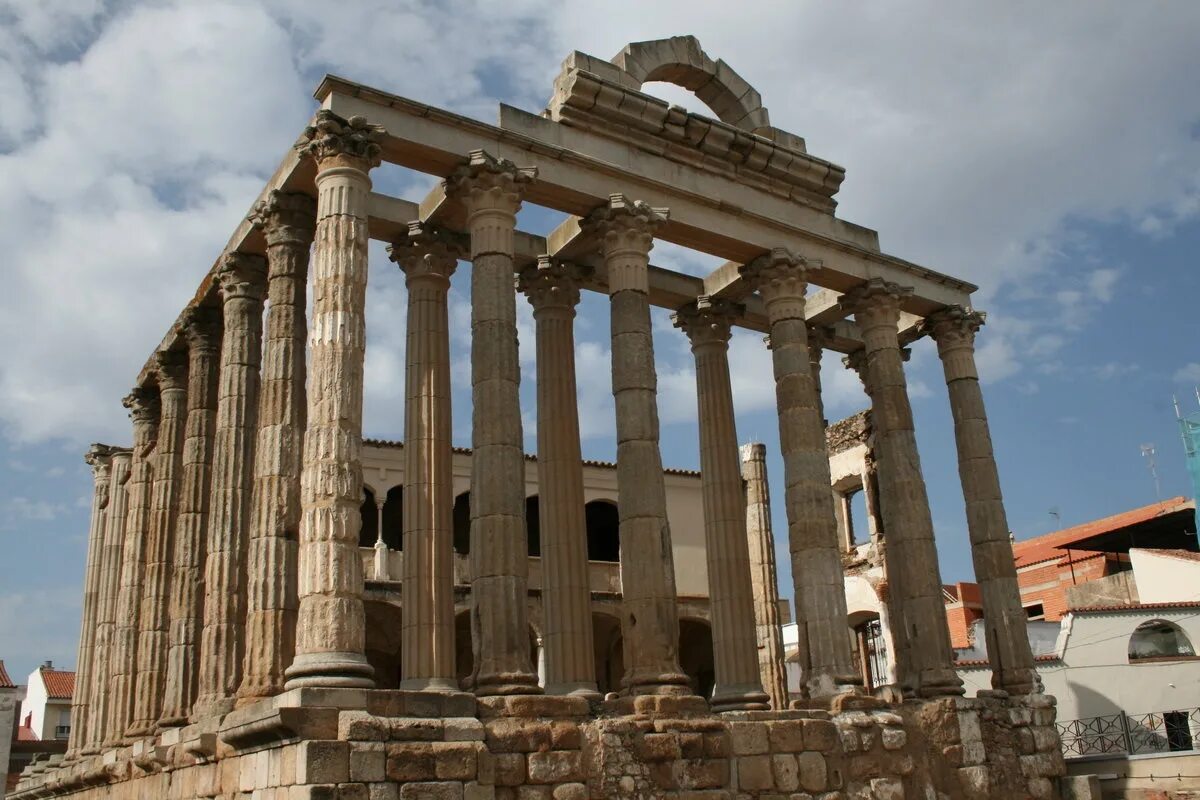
(1057, 516)
(1151, 464)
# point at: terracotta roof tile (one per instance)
(983, 662)
(26, 734)
(5, 681)
(1137, 607)
(1053, 545)
(1185, 555)
(60, 684)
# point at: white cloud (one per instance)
(1188, 373)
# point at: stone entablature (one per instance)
(272, 680)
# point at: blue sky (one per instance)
(1049, 154)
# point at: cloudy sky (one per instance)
(1048, 153)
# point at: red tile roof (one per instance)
(26, 734)
(1137, 607)
(5, 681)
(983, 662)
(1054, 545)
(60, 684)
(1185, 555)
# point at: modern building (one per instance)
(46, 709)
(10, 700)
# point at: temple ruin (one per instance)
(224, 648)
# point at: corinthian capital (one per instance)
(953, 327)
(875, 302)
(172, 369)
(781, 277)
(202, 327)
(243, 275)
(707, 320)
(487, 183)
(552, 284)
(625, 225)
(350, 142)
(429, 252)
(143, 405)
(99, 458)
(285, 218)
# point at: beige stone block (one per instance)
(463, 729)
(755, 773)
(571, 791)
(718, 745)
(323, 762)
(691, 745)
(429, 790)
(820, 735)
(411, 762)
(477, 791)
(555, 766)
(887, 789)
(786, 735)
(709, 773)
(456, 760)
(658, 747)
(566, 735)
(787, 774)
(893, 738)
(509, 769)
(368, 765)
(974, 780)
(383, 791)
(352, 791)
(749, 738)
(813, 773)
(534, 793)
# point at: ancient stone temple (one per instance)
(226, 636)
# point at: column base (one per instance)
(506, 683)
(173, 721)
(657, 683)
(429, 685)
(739, 698)
(336, 670)
(212, 706)
(583, 689)
(940, 683)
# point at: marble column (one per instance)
(99, 458)
(763, 577)
(201, 326)
(490, 190)
(106, 609)
(737, 687)
(919, 620)
(826, 658)
(154, 618)
(570, 666)
(818, 336)
(428, 258)
(243, 281)
(144, 409)
(625, 230)
(1013, 671)
(287, 221)
(331, 623)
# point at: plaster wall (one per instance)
(35, 706)
(10, 701)
(1163, 578)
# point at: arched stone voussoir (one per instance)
(682, 61)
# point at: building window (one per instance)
(1035, 611)
(1157, 640)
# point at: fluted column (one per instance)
(428, 257)
(625, 230)
(570, 664)
(826, 659)
(243, 281)
(99, 458)
(153, 621)
(818, 335)
(144, 409)
(287, 221)
(201, 326)
(331, 624)
(738, 686)
(915, 586)
(954, 330)
(764, 580)
(490, 189)
(106, 610)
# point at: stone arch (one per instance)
(696, 656)
(608, 646)
(682, 61)
(1159, 639)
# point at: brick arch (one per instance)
(682, 61)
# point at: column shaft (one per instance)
(331, 623)
(287, 221)
(153, 620)
(202, 328)
(738, 686)
(764, 579)
(1007, 638)
(243, 286)
(144, 409)
(570, 666)
(826, 657)
(106, 611)
(99, 458)
(651, 615)
(428, 258)
(914, 580)
(490, 190)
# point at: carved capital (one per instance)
(285, 218)
(875, 303)
(781, 277)
(953, 327)
(486, 183)
(429, 252)
(857, 361)
(143, 404)
(243, 276)
(172, 369)
(707, 321)
(335, 141)
(552, 284)
(625, 226)
(99, 458)
(202, 327)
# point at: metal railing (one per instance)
(1131, 734)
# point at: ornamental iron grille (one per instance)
(1137, 734)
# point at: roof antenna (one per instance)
(1151, 464)
(1057, 517)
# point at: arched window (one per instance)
(1159, 639)
(603, 531)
